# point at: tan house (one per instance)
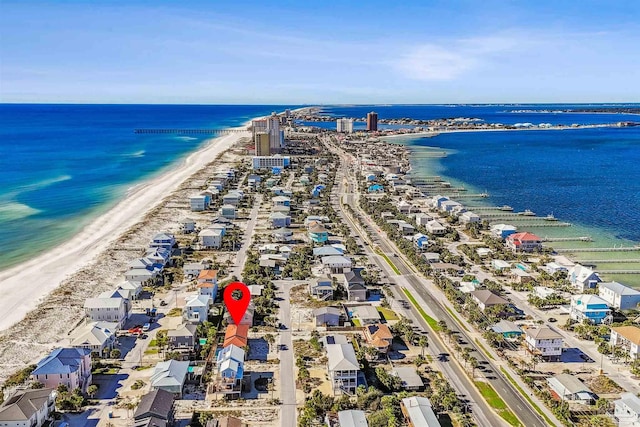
(378, 336)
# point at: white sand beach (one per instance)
(24, 286)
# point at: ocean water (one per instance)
(587, 177)
(62, 165)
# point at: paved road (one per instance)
(288, 410)
(509, 394)
(241, 256)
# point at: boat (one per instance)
(506, 208)
(527, 212)
(550, 217)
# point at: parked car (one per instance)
(163, 303)
(552, 319)
(146, 327)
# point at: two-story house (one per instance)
(65, 366)
(627, 337)
(524, 242)
(113, 310)
(196, 309)
(627, 410)
(589, 307)
(184, 338)
(163, 240)
(544, 341)
(343, 368)
(582, 277)
(379, 337)
(28, 408)
(155, 410)
(618, 295)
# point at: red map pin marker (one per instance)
(236, 307)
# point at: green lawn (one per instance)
(526, 396)
(356, 322)
(497, 403)
(430, 320)
(388, 314)
(391, 264)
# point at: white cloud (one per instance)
(453, 59)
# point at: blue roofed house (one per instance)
(420, 241)
(326, 251)
(507, 329)
(163, 240)
(230, 363)
(618, 295)
(170, 376)
(317, 190)
(590, 307)
(68, 366)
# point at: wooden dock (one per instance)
(611, 261)
(614, 249)
(568, 239)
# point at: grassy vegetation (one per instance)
(391, 264)
(484, 349)
(526, 396)
(497, 403)
(453, 314)
(356, 322)
(174, 312)
(388, 314)
(430, 320)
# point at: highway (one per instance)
(503, 387)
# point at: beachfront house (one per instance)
(544, 341)
(502, 231)
(28, 408)
(141, 275)
(170, 376)
(582, 277)
(589, 307)
(199, 202)
(418, 412)
(112, 310)
(211, 238)
(469, 218)
(568, 388)
(626, 337)
(188, 225)
(196, 309)
(98, 337)
(163, 240)
(68, 366)
(134, 288)
(619, 296)
(342, 367)
(327, 316)
(524, 242)
(627, 410)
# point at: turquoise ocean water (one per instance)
(63, 165)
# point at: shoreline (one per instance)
(430, 134)
(27, 284)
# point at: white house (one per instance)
(170, 376)
(343, 368)
(112, 310)
(228, 211)
(469, 218)
(502, 231)
(337, 263)
(582, 277)
(627, 410)
(28, 408)
(618, 295)
(99, 337)
(419, 412)
(134, 288)
(193, 269)
(163, 240)
(196, 309)
(627, 337)
(188, 225)
(554, 267)
(569, 388)
(422, 219)
(544, 341)
(199, 202)
(211, 238)
(434, 227)
(140, 275)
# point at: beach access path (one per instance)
(24, 286)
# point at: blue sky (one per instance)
(311, 52)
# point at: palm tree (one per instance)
(423, 342)
(270, 339)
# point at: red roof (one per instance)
(524, 237)
(237, 335)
